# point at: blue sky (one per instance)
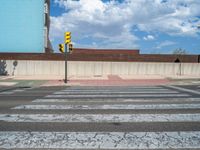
(153, 26)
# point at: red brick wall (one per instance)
(105, 51)
(104, 55)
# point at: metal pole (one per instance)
(65, 63)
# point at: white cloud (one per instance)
(111, 23)
(172, 17)
(149, 38)
(165, 44)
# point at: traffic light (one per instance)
(70, 48)
(61, 48)
(67, 37)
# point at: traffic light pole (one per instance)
(65, 63)
(67, 41)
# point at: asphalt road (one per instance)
(146, 117)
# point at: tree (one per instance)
(179, 51)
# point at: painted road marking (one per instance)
(183, 89)
(113, 88)
(114, 106)
(7, 93)
(96, 118)
(100, 140)
(11, 91)
(117, 100)
(122, 96)
(117, 92)
(18, 90)
(7, 83)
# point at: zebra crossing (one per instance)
(12, 91)
(198, 88)
(144, 117)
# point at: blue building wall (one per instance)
(22, 26)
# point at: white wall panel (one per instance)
(84, 68)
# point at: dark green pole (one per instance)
(65, 63)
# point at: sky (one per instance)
(153, 26)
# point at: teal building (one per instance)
(24, 26)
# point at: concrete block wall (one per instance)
(97, 68)
(190, 68)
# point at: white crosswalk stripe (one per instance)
(114, 106)
(183, 89)
(48, 100)
(101, 140)
(159, 100)
(11, 91)
(115, 92)
(7, 93)
(115, 96)
(111, 88)
(133, 118)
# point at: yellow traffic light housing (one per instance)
(67, 37)
(61, 48)
(70, 48)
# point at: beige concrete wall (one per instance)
(82, 68)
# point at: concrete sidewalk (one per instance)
(110, 80)
(104, 77)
